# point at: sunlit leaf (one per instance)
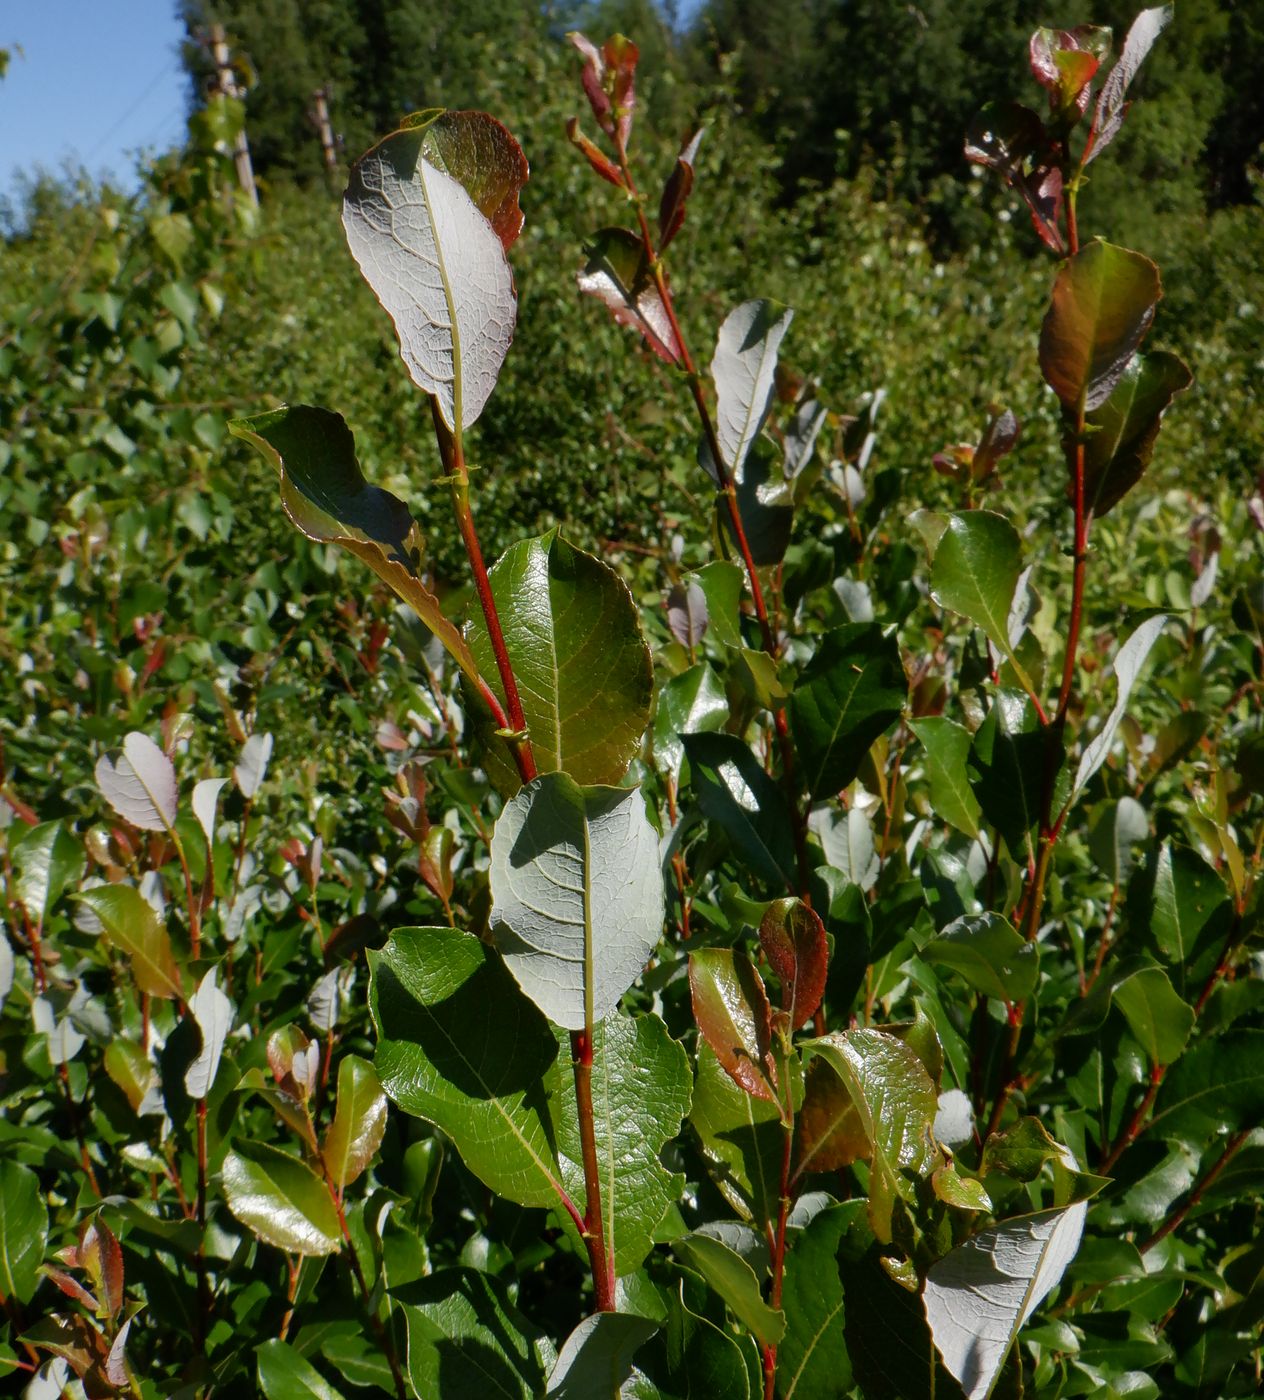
(438, 267)
(730, 1006)
(280, 1199)
(359, 1121)
(989, 954)
(286, 1375)
(744, 369)
(596, 1358)
(23, 1231)
(134, 928)
(140, 784)
(1126, 666)
(734, 1280)
(947, 746)
(1108, 115)
(793, 939)
(212, 1012)
(252, 764)
(577, 895)
(618, 273)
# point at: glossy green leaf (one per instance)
(978, 1296)
(46, 861)
(989, 954)
(896, 1102)
(459, 1045)
(846, 839)
(641, 1088)
(1216, 1087)
(325, 494)
(744, 371)
(742, 1140)
(129, 1067)
(596, 1358)
(793, 939)
(135, 929)
(722, 584)
(812, 1359)
(285, 1375)
(1185, 897)
(691, 1356)
(140, 784)
(438, 267)
(619, 275)
(1103, 302)
(280, 1199)
(23, 1231)
(975, 571)
(730, 1006)
(1118, 828)
(1126, 666)
(1021, 1151)
(947, 746)
(577, 894)
(1123, 430)
(735, 793)
(359, 1121)
(852, 690)
(579, 657)
(1008, 769)
(467, 1341)
(690, 703)
(1156, 1016)
(734, 1280)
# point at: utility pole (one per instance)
(320, 116)
(228, 87)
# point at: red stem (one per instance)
(600, 1257)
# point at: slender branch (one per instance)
(1177, 1217)
(600, 1256)
(783, 1215)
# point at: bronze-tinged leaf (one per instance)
(671, 208)
(793, 937)
(828, 1131)
(730, 1005)
(618, 273)
(594, 155)
(482, 155)
(593, 79)
(101, 1258)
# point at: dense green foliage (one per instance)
(191, 1060)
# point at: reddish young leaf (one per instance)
(101, 1258)
(793, 937)
(671, 208)
(596, 157)
(71, 1287)
(730, 1005)
(1042, 191)
(1064, 61)
(618, 273)
(593, 79)
(609, 78)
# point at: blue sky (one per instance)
(96, 81)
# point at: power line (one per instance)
(167, 68)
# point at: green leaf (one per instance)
(744, 371)
(641, 1089)
(989, 954)
(691, 1356)
(975, 572)
(978, 1296)
(618, 273)
(742, 1140)
(23, 1231)
(140, 784)
(1021, 1152)
(285, 1375)
(690, 703)
(1157, 1017)
(577, 894)
(735, 793)
(46, 860)
(439, 269)
(1216, 1087)
(325, 494)
(596, 1358)
(812, 1359)
(947, 746)
(896, 1101)
(731, 1008)
(578, 655)
(1103, 302)
(460, 1046)
(466, 1340)
(1186, 895)
(852, 690)
(734, 1280)
(359, 1121)
(1007, 769)
(1118, 828)
(476, 150)
(765, 503)
(134, 928)
(1126, 666)
(1122, 432)
(722, 583)
(793, 939)
(280, 1199)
